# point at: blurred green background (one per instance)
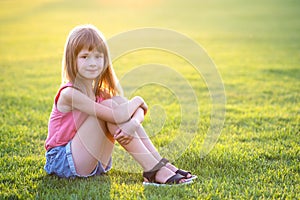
(255, 46)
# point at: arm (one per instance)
(134, 108)
(130, 126)
(124, 133)
(73, 99)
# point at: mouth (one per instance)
(92, 71)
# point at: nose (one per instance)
(92, 62)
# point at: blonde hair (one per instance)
(89, 37)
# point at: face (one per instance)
(90, 64)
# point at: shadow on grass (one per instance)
(126, 185)
(169, 192)
(52, 187)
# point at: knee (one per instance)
(114, 101)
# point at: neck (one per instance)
(86, 86)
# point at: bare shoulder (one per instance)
(65, 100)
(67, 93)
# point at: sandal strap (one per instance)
(150, 175)
(175, 179)
(160, 164)
(182, 172)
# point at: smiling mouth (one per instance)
(92, 71)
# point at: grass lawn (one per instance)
(256, 48)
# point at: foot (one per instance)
(174, 169)
(160, 175)
(163, 174)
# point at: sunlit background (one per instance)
(255, 46)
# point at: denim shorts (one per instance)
(59, 161)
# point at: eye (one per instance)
(82, 56)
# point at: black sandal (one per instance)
(174, 180)
(185, 174)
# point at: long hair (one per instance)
(89, 37)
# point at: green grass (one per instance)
(256, 47)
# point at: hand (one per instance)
(125, 131)
(123, 138)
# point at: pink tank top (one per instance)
(62, 127)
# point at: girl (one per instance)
(88, 116)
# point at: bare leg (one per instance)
(149, 145)
(146, 157)
(141, 133)
(91, 144)
(147, 142)
(136, 147)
